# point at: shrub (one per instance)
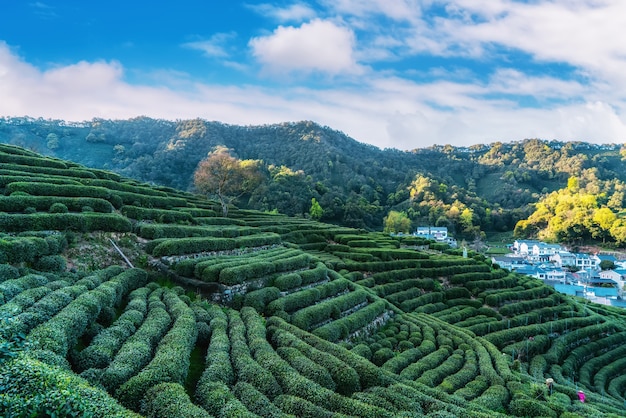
(170, 400)
(258, 299)
(58, 208)
(54, 263)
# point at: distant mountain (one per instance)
(469, 189)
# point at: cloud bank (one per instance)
(401, 73)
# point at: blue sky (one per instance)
(392, 73)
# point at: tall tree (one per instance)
(396, 222)
(226, 177)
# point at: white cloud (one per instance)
(296, 12)
(317, 46)
(400, 10)
(214, 47)
(384, 111)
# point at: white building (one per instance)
(437, 233)
(563, 259)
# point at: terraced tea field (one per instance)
(261, 315)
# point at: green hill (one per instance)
(486, 188)
(264, 315)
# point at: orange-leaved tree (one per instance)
(226, 177)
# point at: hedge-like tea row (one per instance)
(31, 161)
(69, 172)
(106, 344)
(82, 222)
(27, 248)
(125, 186)
(467, 373)
(602, 368)
(530, 305)
(247, 370)
(218, 364)
(43, 203)
(343, 378)
(449, 366)
(430, 361)
(137, 351)
(32, 388)
(580, 355)
(198, 213)
(159, 215)
(344, 327)
(7, 180)
(66, 190)
(428, 298)
(171, 359)
(62, 330)
(23, 301)
(257, 269)
(369, 374)
(170, 400)
(307, 318)
(521, 332)
(295, 384)
(392, 288)
(156, 231)
(13, 287)
(565, 343)
(260, 298)
(389, 254)
(195, 267)
(198, 245)
(304, 298)
(411, 293)
(499, 298)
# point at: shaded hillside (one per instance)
(263, 315)
(356, 184)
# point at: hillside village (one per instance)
(572, 273)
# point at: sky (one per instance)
(392, 73)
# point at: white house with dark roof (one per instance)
(617, 275)
(437, 233)
(563, 259)
(509, 262)
(553, 274)
(523, 247)
(541, 252)
(585, 262)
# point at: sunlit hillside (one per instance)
(122, 299)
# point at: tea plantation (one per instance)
(262, 315)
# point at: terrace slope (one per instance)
(265, 315)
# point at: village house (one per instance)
(509, 262)
(563, 259)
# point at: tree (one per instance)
(316, 210)
(226, 177)
(607, 265)
(397, 222)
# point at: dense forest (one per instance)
(568, 191)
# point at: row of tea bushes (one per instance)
(81, 222)
(103, 347)
(156, 231)
(29, 247)
(61, 332)
(24, 203)
(180, 246)
(170, 362)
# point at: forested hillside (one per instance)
(120, 299)
(483, 188)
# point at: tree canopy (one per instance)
(226, 177)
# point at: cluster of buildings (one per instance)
(572, 273)
(436, 233)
